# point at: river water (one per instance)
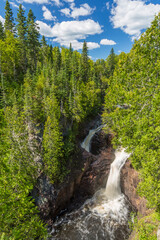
(104, 216)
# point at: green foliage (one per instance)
(132, 109)
(9, 20)
(53, 142)
(21, 32)
(2, 35)
(32, 41)
(18, 173)
(45, 94)
(84, 67)
(111, 63)
(146, 227)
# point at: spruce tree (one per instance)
(21, 32)
(84, 65)
(50, 55)
(57, 59)
(111, 62)
(32, 41)
(43, 41)
(9, 20)
(70, 50)
(44, 51)
(2, 35)
(21, 26)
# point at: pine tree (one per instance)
(84, 64)
(53, 141)
(21, 32)
(70, 50)
(50, 55)
(57, 60)
(2, 35)
(9, 20)
(32, 41)
(111, 62)
(43, 41)
(44, 51)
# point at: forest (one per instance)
(47, 92)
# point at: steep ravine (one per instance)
(84, 182)
(106, 214)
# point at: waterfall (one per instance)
(86, 143)
(105, 215)
(113, 189)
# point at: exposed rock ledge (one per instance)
(83, 183)
(129, 183)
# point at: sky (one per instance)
(102, 24)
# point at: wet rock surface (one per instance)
(53, 199)
(129, 183)
(100, 142)
(90, 175)
(81, 184)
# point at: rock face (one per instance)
(129, 183)
(100, 142)
(51, 199)
(82, 183)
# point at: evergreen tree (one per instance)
(111, 62)
(57, 59)
(32, 41)
(21, 26)
(70, 50)
(84, 70)
(21, 32)
(43, 41)
(50, 55)
(2, 35)
(44, 51)
(53, 141)
(9, 20)
(132, 109)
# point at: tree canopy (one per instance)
(132, 109)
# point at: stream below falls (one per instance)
(104, 216)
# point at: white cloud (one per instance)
(76, 45)
(71, 31)
(14, 5)
(69, 1)
(92, 45)
(107, 42)
(47, 14)
(56, 2)
(132, 16)
(45, 29)
(2, 19)
(107, 5)
(66, 11)
(33, 1)
(83, 10)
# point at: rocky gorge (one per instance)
(83, 182)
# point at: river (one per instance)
(104, 216)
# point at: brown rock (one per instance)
(129, 183)
(99, 142)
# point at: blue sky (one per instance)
(103, 24)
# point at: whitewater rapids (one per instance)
(105, 215)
